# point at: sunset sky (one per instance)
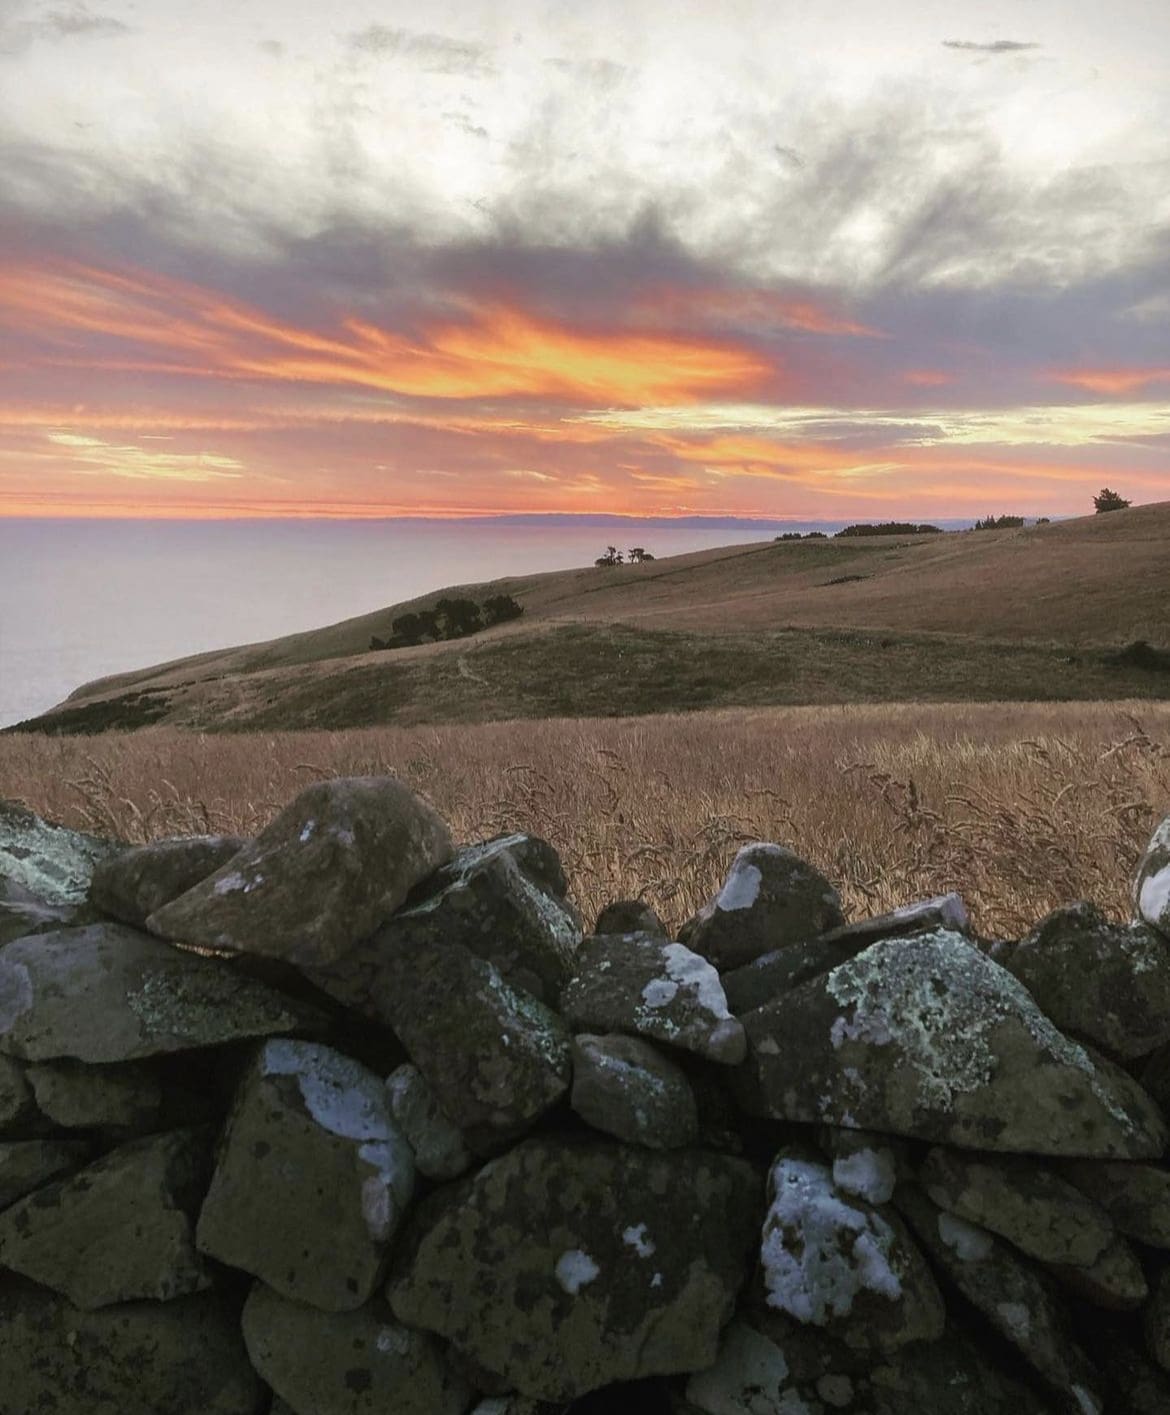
(851, 259)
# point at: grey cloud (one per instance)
(599, 73)
(271, 46)
(464, 124)
(995, 46)
(437, 53)
(55, 26)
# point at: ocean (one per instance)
(83, 598)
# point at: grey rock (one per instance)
(134, 883)
(348, 1363)
(497, 899)
(770, 898)
(27, 1164)
(750, 1374)
(953, 1377)
(1106, 983)
(1039, 1213)
(331, 868)
(184, 1357)
(119, 1230)
(22, 913)
(1010, 1294)
(439, 1148)
(649, 987)
(79, 1097)
(106, 993)
(1115, 1281)
(1143, 1388)
(1151, 887)
(630, 916)
(52, 864)
(866, 1165)
(1157, 1321)
(565, 1267)
(1135, 1196)
(832, 1260)
(624, 1087)
(16, 1097)
(927, 1037)
(942, 911)
(452, 1012)
(312, 1177)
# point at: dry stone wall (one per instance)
(349, 1120)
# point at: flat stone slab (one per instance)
(49, 862)
(312, 1177)
(106, 993)
(185, 1357)
(125, 1096)
(22, 913)
(329, 870)
(625, 1088)
(131, 885)
(564, 1267)
(927, 1037)
(27, 1164)
(349, 1363)
(120, 1229)
(646, 986)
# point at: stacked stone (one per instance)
(346, 1120)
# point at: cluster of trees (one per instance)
(636, 555)
(796, 535)
(450, 619)
(998, 523)
(890, 528)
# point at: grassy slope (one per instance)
(983, 615)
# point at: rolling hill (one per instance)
(1030, 614)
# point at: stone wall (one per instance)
(346, 1120)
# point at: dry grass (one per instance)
(1019, 806)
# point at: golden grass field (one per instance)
(1021, 807)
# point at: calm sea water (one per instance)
(80, 599)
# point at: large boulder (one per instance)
(927, 1037)
(1041, 1214)
(630, 916)
(649, 987)
(184, 1357)
(106, 993)
(624, 1087)
(348, 1363)
(1116, 1281)
(749, 1375)
(1135, 1196)
(22, 913)
(132, 884)
(74, 1096)
(331, 868)
(564, 1267)
(770, 898)
(16, 1096)
(1011, 1295)
(120, 1229)
(1151, 889)
(495, 1058)
(52, 864)
(833, 1260)
(1106, 983)
(312, 1177)
(27, 1164)
(440, 1151)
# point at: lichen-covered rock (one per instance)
(498, 899)
(1151, 888)
(312, 1177)
(27, 1164)
(107, 993)
(16, 1097)
(1116, 1281)
(348, 1363)
(22, 913)
(1039, 1213)
(629, 916)
(750, 1377)
(439, 1148)
(865, 1164)
(1143, 1389)
(331, 868)
(49, 862)
(781, 970)
(495, 1058)
(79, 1097)
(119, 1230)
(132, 884)
(769, 899)
(184, 1357)
(1135, 1196)
(950, 1377)
(1010, 1294)
(927, 1037)
(832, 1260)
(624, 1087)
(1106, 983)
(649, 987)
(567, 1266)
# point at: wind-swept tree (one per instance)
(612, 556)
(1107, 500)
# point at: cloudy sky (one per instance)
(858, 258)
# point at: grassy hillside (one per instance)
(1035, 613)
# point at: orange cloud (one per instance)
(497, 351)
(927, 378)
(1115, 380)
